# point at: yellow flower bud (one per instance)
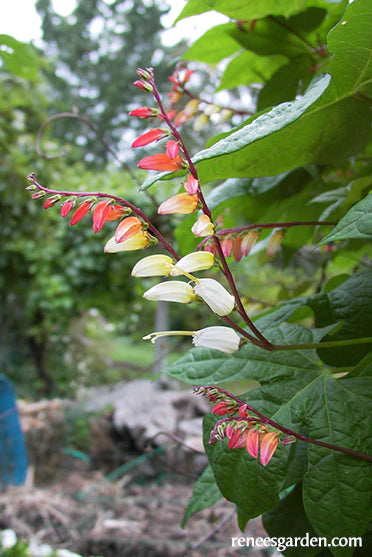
(203, 226)
(196, 261)
(153, 266)
(172, 291)
(138, 241)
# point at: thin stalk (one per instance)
(287, 431)
(328, 344)
(136, 210)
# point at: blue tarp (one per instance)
(13, 457)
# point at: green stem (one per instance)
(330, 344)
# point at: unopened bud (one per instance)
(31, 187)
(144, 74)
(275, 242)
(143, 85)
(38, 195)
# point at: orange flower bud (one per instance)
(181, 204)
(127, 228)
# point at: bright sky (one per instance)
(20, 19)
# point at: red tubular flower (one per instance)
(100, 215)
(67, 206)
(127, 228)
(172, 149)
(224, 407)
(145, 112)
(80, 212)
(269, 443)
(243, 411)
(150, 137)
(161, 162)
(252, 442)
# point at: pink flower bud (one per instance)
(51, 201)
(275, 242)
(227, 245)
(172, 149)
(249, 241)
(192, 185)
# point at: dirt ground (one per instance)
(112, 499)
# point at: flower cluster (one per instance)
(245, 430)
(240, 244)
(195, 108)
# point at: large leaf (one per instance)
(248, 67)
(289, 520)
(356, 224)
(249, 9)
(215, 44)
(336, 498)
(334, 127)
(351, 304)
(205, 494)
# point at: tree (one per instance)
(95, 53)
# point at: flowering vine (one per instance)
(250, 429)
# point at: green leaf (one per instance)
(242, 479)
(249, 9)
(334, 127)
(201, 366)
(20, 59)
(265, 125)
(284, 84)
(204, 495)
(247, 68)
(357, 223)
(335, 497)
(351, 304)
(214, 45)
(289, 520)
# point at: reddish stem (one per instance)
(136, 210)
(287, 431)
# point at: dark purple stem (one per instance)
(136, 210)
(265, 420)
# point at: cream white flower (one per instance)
(203, 226)
(218, 338)
(196, 261)
(172, 291)
(215, 296)
(153, 266)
